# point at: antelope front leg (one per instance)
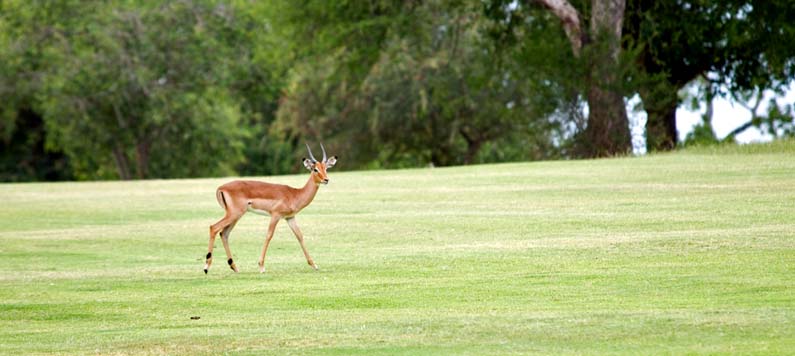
(298, 235)
(214, 228)
(271, 229)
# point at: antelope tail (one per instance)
(219, 195)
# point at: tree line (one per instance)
(140, 89)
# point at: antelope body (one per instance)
(277, 200)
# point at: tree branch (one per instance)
(739, 130)
(571, 21)
(760, 94)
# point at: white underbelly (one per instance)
(258, 211)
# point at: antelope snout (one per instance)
(325, 181)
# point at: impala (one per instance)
(277, 200)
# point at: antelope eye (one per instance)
(316, 170)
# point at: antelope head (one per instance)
(318, 168)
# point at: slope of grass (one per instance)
(691, 252)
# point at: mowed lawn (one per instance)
(689, 252)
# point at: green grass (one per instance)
(690, 252)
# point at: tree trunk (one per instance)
(122, 163)
(142, 159)
(608, 127)
(607, 132)
(660, 103)
(473, 145)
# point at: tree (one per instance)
(743, 45)
(607, 132)
(137, 89)
(25, 30)
(25, 157)
(261, 64)
(437, 92)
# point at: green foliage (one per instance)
(741, 45)
(146, 86)
(438, 93)
(779, 121)
(24, 32)
(140, 89)
(23, 156)
(137, 89)
(702, 134)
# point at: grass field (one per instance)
(690, 252)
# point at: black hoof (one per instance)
(205, 271)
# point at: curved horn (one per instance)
(324, 151)
(312, 157)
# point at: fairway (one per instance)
(687, 252)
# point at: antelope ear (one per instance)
(331, 162)
(309, 164)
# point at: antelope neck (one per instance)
(308, 191)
